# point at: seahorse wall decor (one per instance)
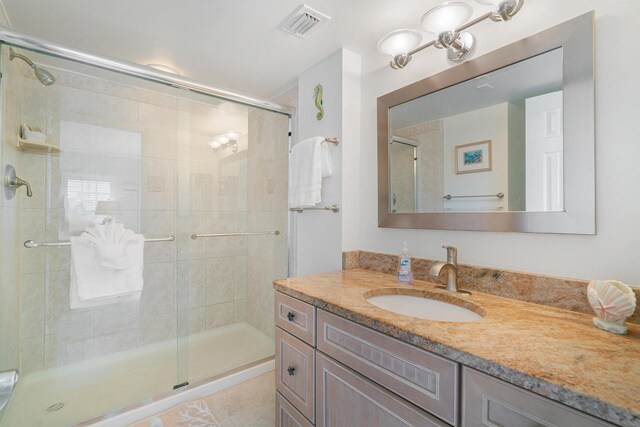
(317, 94)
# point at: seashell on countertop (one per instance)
(612, 302)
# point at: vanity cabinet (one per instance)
(427, 380)
(489, 402)
(358, 377)
(346, 398)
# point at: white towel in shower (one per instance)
(107, 263)
(309, 162)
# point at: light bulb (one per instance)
(399, 41)
(446, 17)
(506, 9)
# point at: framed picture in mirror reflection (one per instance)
(473, 157)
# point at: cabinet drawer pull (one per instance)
(290, 316)
(291, 370)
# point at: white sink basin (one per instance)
(424, 308)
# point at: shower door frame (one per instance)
(23, 40)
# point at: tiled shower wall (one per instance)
(11, 110)
(267, 210)
(149, 147)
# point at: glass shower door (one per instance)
(232, 189)
(117, 142)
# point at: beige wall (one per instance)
(483, 124)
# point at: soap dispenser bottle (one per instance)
(405, 273)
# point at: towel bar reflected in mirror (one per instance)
(30, 244)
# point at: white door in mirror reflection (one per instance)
(544, 153)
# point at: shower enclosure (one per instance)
(203, 178)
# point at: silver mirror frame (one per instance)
(576, 38)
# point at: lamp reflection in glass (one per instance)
(228, 140)
(399, 44)
(442, 21)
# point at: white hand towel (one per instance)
(309, 162)
(110, 242)
(98, 272)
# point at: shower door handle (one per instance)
(8, 380)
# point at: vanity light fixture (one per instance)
(227, 140)
(448, 21)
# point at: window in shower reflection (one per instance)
(98, 164)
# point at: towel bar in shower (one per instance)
(332, 208)
(264, 233)
(30, 244)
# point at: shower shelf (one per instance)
(37, 147)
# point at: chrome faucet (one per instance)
(12, 182)
(451, 267)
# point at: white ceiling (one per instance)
(234, 44)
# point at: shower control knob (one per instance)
(291, 370)
(290, 316)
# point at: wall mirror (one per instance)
(504, 142)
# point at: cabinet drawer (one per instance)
(429, 381)
(296, 317)
(295, 366)
(346, 398)
(287, 415)
(487, 401)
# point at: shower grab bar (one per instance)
(332, 208)
(264, 233)
(30, 244)
(449, 196)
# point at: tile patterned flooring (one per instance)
(248, 404)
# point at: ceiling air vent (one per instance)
(303, 21)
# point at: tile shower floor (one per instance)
(95, 387)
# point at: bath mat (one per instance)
(195, 413)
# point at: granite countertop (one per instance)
(556, 353)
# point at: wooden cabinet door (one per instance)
(490, 402)
(296, 317)
(295, 365)
(287, 415)
(427, 380)
(346, 398)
